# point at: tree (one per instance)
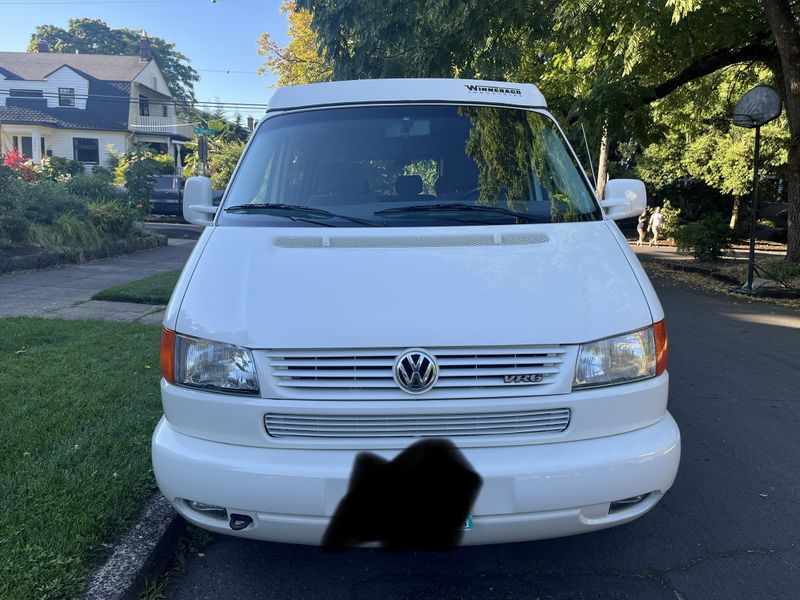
(93, 36)
(784, 21)
(693, 137)
(610, 58)
(300, 61)
(222, 161)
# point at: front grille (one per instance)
(284, 425)
(463, 372)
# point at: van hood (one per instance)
(560, 283)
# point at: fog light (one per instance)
(210, 510)
(619, 505)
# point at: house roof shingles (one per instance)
(36, 66)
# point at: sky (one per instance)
(218, 37)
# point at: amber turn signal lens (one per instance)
(168, 354)
(662, 346)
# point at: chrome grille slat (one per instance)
(355, 373)
(498, 417)
(284, 425)
(342, 426)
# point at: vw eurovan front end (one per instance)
(400, 260)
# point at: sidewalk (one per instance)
(65, 292)
(670, 253)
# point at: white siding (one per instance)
(60, 142)
(66, 78)
(63, 77)
(151, 77)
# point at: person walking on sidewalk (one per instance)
(656, 222)
(641, 227)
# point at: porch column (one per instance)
(36, 147)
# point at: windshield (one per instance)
(400, 166)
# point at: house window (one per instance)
(66, 96)
(42, 148)
(164, 110)
(144, 106)
(86, 150)
(25, 93)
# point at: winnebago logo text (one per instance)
(523, 378)
(492, 89)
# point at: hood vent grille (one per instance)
(411, 241)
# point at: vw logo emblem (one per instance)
(415, 371)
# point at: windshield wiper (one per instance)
(298, 212)
(456, 207)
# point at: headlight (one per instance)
(623, 358)
(208, 365)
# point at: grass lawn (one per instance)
(78, 403)
(155, 289)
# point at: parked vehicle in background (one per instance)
(407, 259)
(167, 196)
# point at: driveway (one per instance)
(728, 529)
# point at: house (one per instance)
(86, 106)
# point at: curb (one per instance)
(718, 275)
(141, 556)
(676, 266)
(53, 258)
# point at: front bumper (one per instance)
(528, 493)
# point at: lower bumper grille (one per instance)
(283, 425)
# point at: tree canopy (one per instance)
(300, 61)
(93, 36)
(612, 64)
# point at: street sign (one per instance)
(203, 131)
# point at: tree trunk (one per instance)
(786, 32)
(602, 163)
(737, 211)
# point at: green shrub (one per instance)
(11, 189)
(13, 224)
(166, 164)
(54, 168)
(138, 169)
(103, 173)
(222, 162)
(46, 201)
(783, 271)
(113, 217)
(14, 228)
(67, 232)
(92, 187)
(706, 239)
(695, 198)
(161, 164)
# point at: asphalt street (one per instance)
(728, 529)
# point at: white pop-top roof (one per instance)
(367, 91)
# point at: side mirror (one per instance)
(625, 198)
(198, 207)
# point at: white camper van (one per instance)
(396, 260)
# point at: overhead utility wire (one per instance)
(101, 2)
(129, 100)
